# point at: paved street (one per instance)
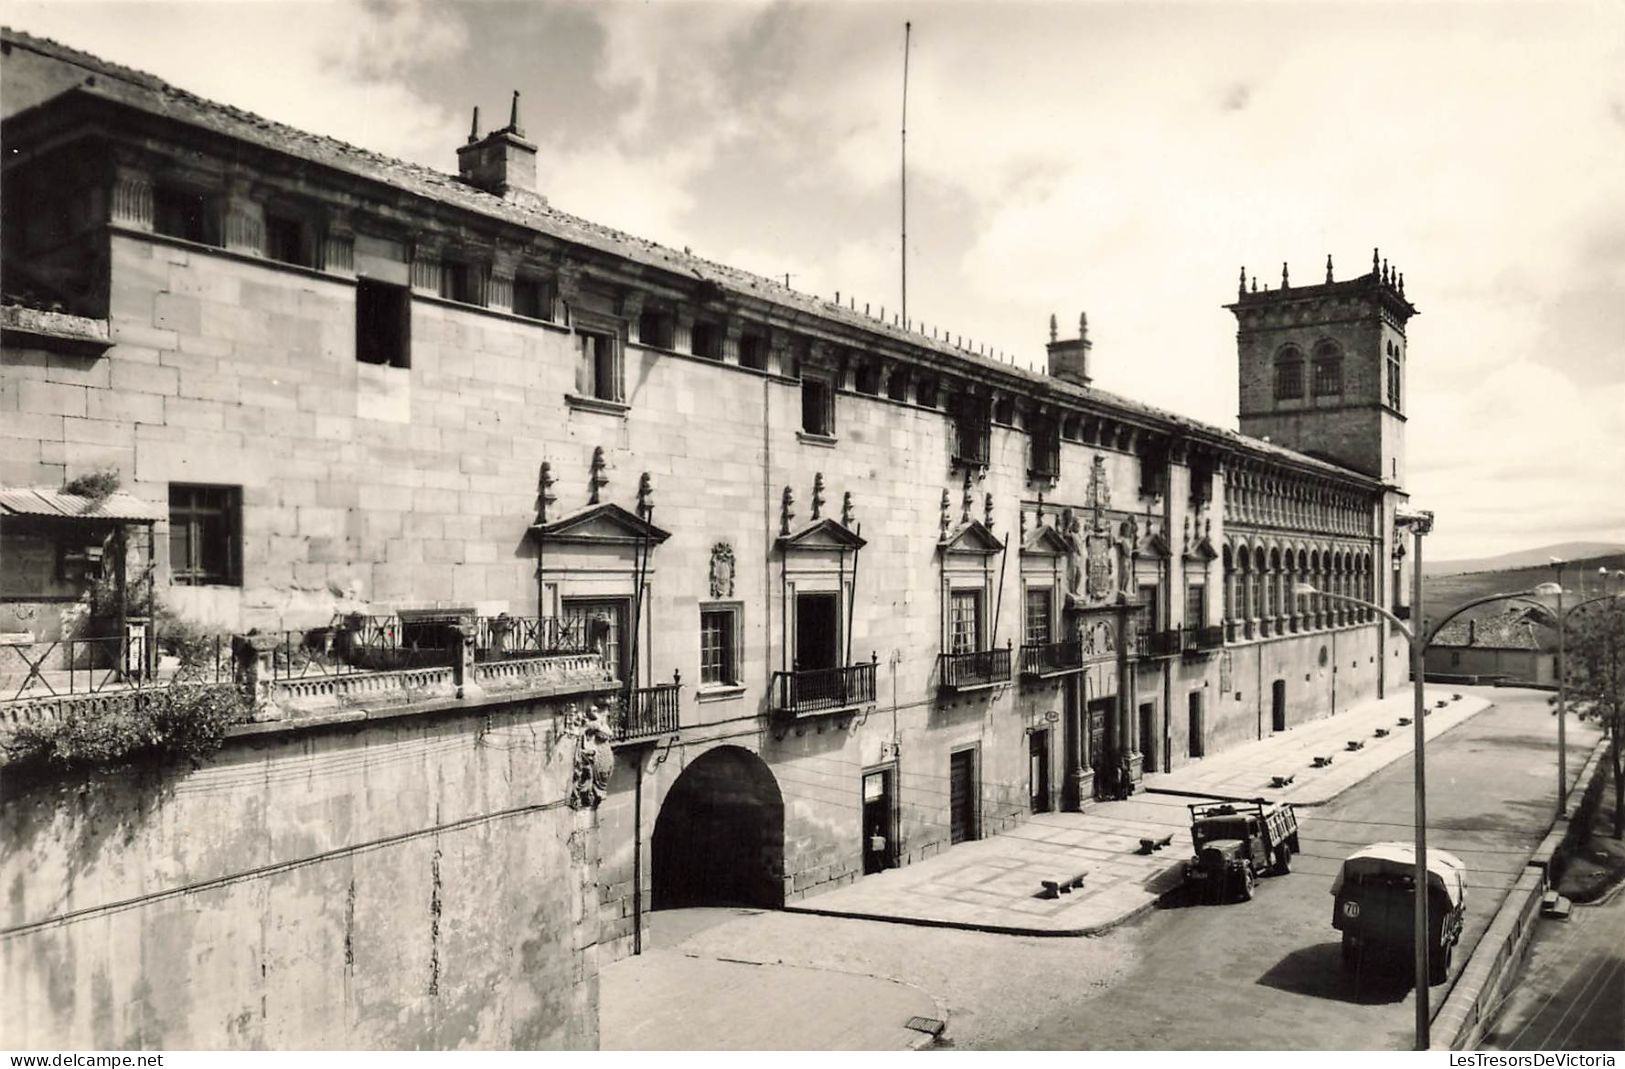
(1263, 974)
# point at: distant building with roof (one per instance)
(1514, 645)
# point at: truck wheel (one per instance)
(1351, 953)
(1439, 964)
(1283, 859)
(1246, 894)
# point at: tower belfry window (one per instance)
(1393, 375)
(1328, 380)
(1289, 376)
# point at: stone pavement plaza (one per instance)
(995, 884)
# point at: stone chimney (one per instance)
(1069, 359)
(501, 162)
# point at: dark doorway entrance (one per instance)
(1038, 771)
(1196, 741)
(719, 839)
(1148, 735)
(878, 826)
(962, 796)
(1102, 752)
(1072, 729)
(1278, 705)
(817, 631)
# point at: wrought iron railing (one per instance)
(823, 690)
(1200, 639)
(73, 666)
(650, 711)
(1158, 643)
(974, 668)
(503, 637)
(358, 643)
(1049, 658)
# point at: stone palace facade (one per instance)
(869, 594)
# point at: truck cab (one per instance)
(1236, 842)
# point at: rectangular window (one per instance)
(926, 395)
(1044, 441)
(603, 620)
(1289, 380)
(965, 621)
(383, 323)
(180, 213)
(707, 340)
(1195, 743)
(867, 380)
(1150, 618)
(205, 535)
(972, 431)
(1328, 376)
(285, 240)
(599, 365)
(1393, 381)
(533, 298)
(656, 328)
(1039, 602)
(462, 282)
(753, 351)
(718, 659)
(817, 407)
(1195, 605)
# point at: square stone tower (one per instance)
(1323, 367)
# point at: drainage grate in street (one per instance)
(929, 1025)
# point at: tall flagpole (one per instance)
(907, 28)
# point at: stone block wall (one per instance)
(411, 883)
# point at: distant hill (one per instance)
(1575, 552)
(1442, 594)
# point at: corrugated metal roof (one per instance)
(54, 504)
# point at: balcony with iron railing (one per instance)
(1046, 659)
(648, 712)
(974, 669)
(822, 691)
(1153, 643)
(1196, 641)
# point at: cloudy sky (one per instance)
(1125, 159)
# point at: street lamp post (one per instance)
(1419, 524)
(1562, 698)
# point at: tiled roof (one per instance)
(152, 95)
(54, 504)
(1509, 629)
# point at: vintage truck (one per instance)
(1236, 842)
(1375, 907)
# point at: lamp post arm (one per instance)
(1399, 624)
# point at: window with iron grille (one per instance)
(205, 535)
(972, 430)
(1328, 372)
(965, 621)
(718, 657)
(1289, 376)
(1039, 603)
(1044, 438)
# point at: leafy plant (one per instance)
(160, 724)
(96, 485)
(193, 644)
(1596, 682)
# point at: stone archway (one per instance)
(719, 838)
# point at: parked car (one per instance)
(1236, 842)
(1375, 907)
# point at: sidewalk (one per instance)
(995, 884)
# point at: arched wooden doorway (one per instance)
(719, 839)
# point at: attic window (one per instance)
(180, 213)
(707, 340)
(817, 407)
(753, 351)
(972, 431)
(1004, 413)
(533, 298)
(926, 397)
(461, 282)
(897, 388)
(285, 240)
(656, 328)
(868, 379)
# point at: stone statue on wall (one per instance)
(594, 759)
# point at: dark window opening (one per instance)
(707, 339)
(818, 632)
(1153, 470)
(926, 397)
(1195, 605)
(657, 328)
(1393, 375)
(753, 351)
(1004, 413)
(1201, 486)
(1150, 618)
(817, 407)
(1195, 742)
(383, 323)
(1289, 379)
(599, 367)
(717, 661)
(867, 380)
(205, 535)
(179, 213)
(1328, 371)
(972, 431)
(533, 298)
(285, 241)
(461, 282)
(1045, 444)
(897, 387)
